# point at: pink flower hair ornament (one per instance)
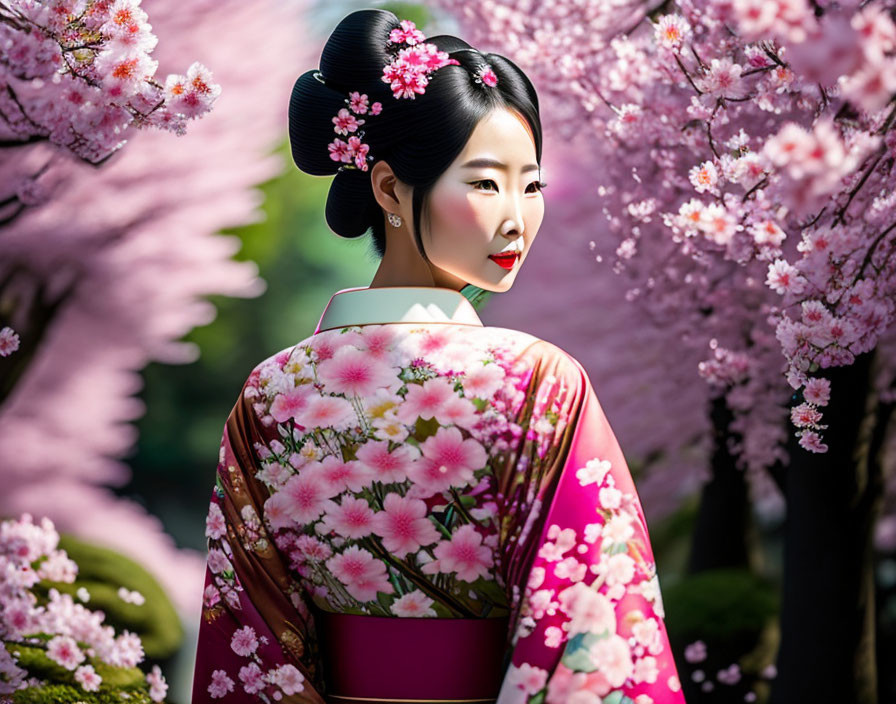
(487, 76)
(407, 74)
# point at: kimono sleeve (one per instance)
(589, 627)
(256, 635)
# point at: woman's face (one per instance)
(488, 199)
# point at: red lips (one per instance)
(506, 261)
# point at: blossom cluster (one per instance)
(73, 636)
(79, 74)
(9, 341)
(408, 74)
(353, 150)
(760, 135)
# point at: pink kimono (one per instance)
(412, 506)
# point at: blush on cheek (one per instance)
(455, 209)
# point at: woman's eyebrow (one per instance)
(492, 163)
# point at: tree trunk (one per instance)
(827, 649)
(724, 534)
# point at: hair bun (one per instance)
(358, 49)
(352, 60)
(351, 186)
(309, 130)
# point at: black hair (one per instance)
(419, 138)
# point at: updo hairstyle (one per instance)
(419, 138)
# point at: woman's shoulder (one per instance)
(510, 344)
(536, 344)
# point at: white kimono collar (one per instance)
(397, 304)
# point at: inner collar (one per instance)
(363, 305)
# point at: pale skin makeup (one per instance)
(474, 210)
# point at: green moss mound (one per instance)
(73, 694)
(102, 571)
(62, 686)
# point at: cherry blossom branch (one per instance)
(872, 247)
(840, 216)
(687, 75)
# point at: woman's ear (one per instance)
(387, 189)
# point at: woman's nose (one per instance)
(515, 215)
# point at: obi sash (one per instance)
(385, 659)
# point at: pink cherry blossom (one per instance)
(346, 122)
(362, 574)
(593, 472)
(340, 475)
(87, 677)
(527, 678)
(360, 154)
(353, 372)
(671, 31)
(288, 678)
(304, 497)
(327, 411)
(784, 278)
(289, 404)
(872, 87)
(128, 650)
(458, 411)
(448, 460)
(407, 33)
(817, 391)
(339, 151)
(588, 610)
(253, 678)
(488, 77)
(464, 554)
(704, 177)
(483, 381)
(425, 400)
(382, 465)
(9, 341)
(158, 687)
(313, 549)
(695, 652)
(353, 518)
(403, 525)
(244, 641)
(811, 441)
(723, 78)
(220, 685)
(375, 341)
(218, 562)
(215, 526)
(358, 102)
(65, 651)
(414, 604)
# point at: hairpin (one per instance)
(486, 75)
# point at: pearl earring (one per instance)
(394, 219)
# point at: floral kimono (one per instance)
(412, 506)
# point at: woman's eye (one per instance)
(539, 185)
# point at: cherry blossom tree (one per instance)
(108, 252)
(734, 161)
(78, 74)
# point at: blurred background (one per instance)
(147, 289)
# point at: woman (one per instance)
(410, 505)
